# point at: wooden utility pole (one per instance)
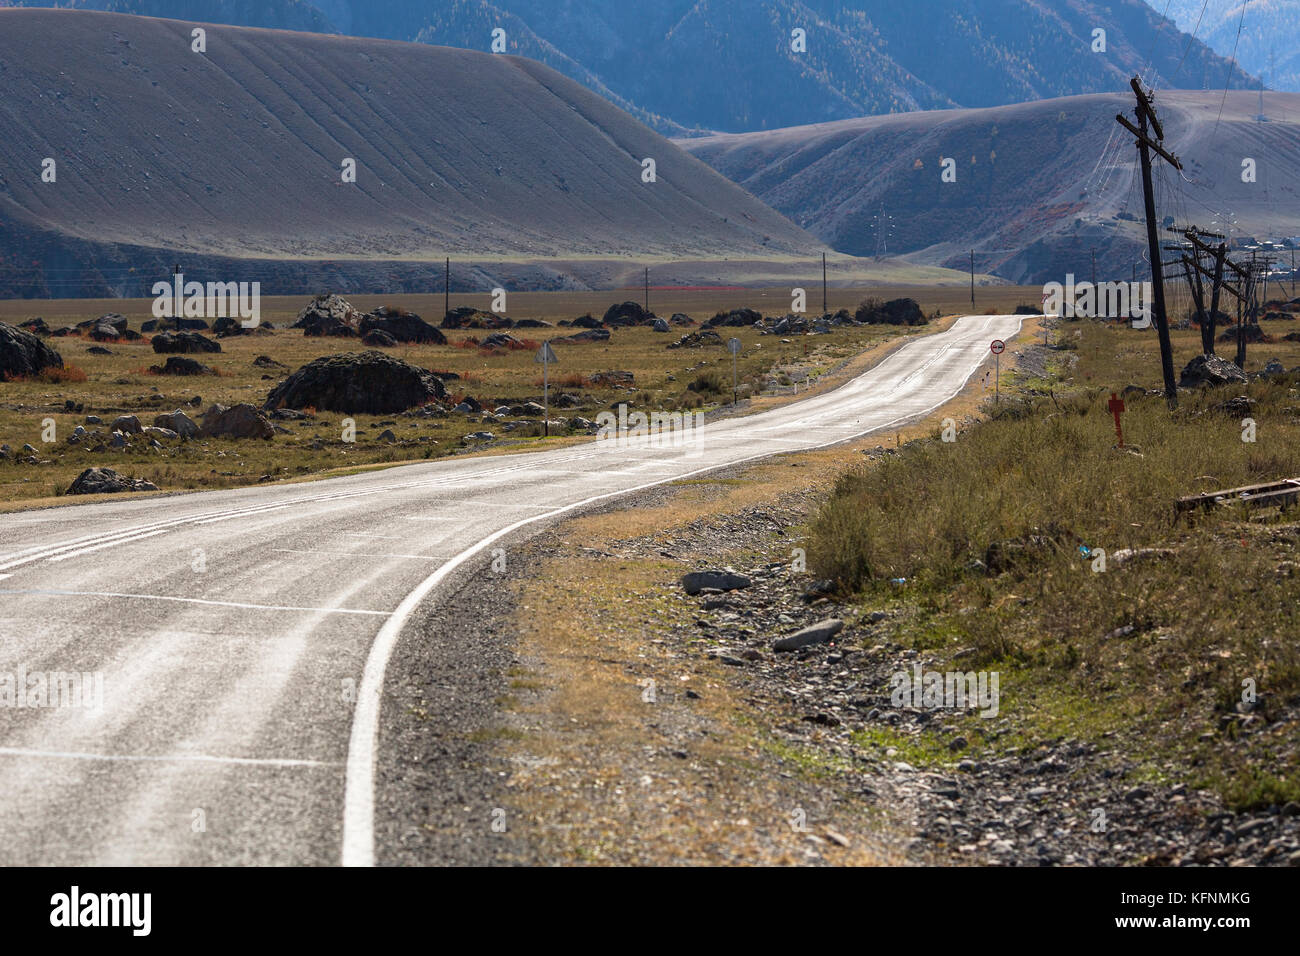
(972, 280)
(1147, 120)
(647, 288)
(446, 288)
(825, 310)
(177, 298)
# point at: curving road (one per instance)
(241, 637)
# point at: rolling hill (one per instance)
(1039, 186)
(231, 160)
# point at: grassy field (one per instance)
(121, 383)
(1157, 646)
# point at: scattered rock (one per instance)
(22, 354)
(626, 313)
(590, 335)
(184, 343)
(330, 315)
(99, 481)
(239, 421)
(1210, 370)
(368, 382)
(179, 365)
(126, 424)
(402, 326)
(177, 422)
(378, 338)
(695, 340)
(697, 581)
(818, 633)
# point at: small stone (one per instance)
(818, 633)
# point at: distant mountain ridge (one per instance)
(1263, 34)
(729, 65)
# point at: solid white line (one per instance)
(358, 843)
(164, 597)
(197, 758)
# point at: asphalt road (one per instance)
(241, 637)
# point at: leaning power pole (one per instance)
(1147, 121)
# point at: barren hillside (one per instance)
(1038, 186)
(166, 153)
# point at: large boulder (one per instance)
(1250, 331)
(626, 313)
(239, 421)
(36, 326)
(114, 320)
(165, 343)
(178, 422)
(328, 315)
(99, 481)
(1210, 370)
(893, 312)
(23, 354)
(401, 325)
(367, 382)
(178, 365)
(378, 339)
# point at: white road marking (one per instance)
(41, 592)
(107, 544)
(163, 758)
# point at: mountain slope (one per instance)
(1038, 186)
(729, 64)
(1262, 33)
(238, 152)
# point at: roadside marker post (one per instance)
(1116, 405)
(734, 346)
(545, 356)
(996, 347)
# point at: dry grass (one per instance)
(1214, 607)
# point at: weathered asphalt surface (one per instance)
(242, 639)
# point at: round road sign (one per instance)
(996, 346)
